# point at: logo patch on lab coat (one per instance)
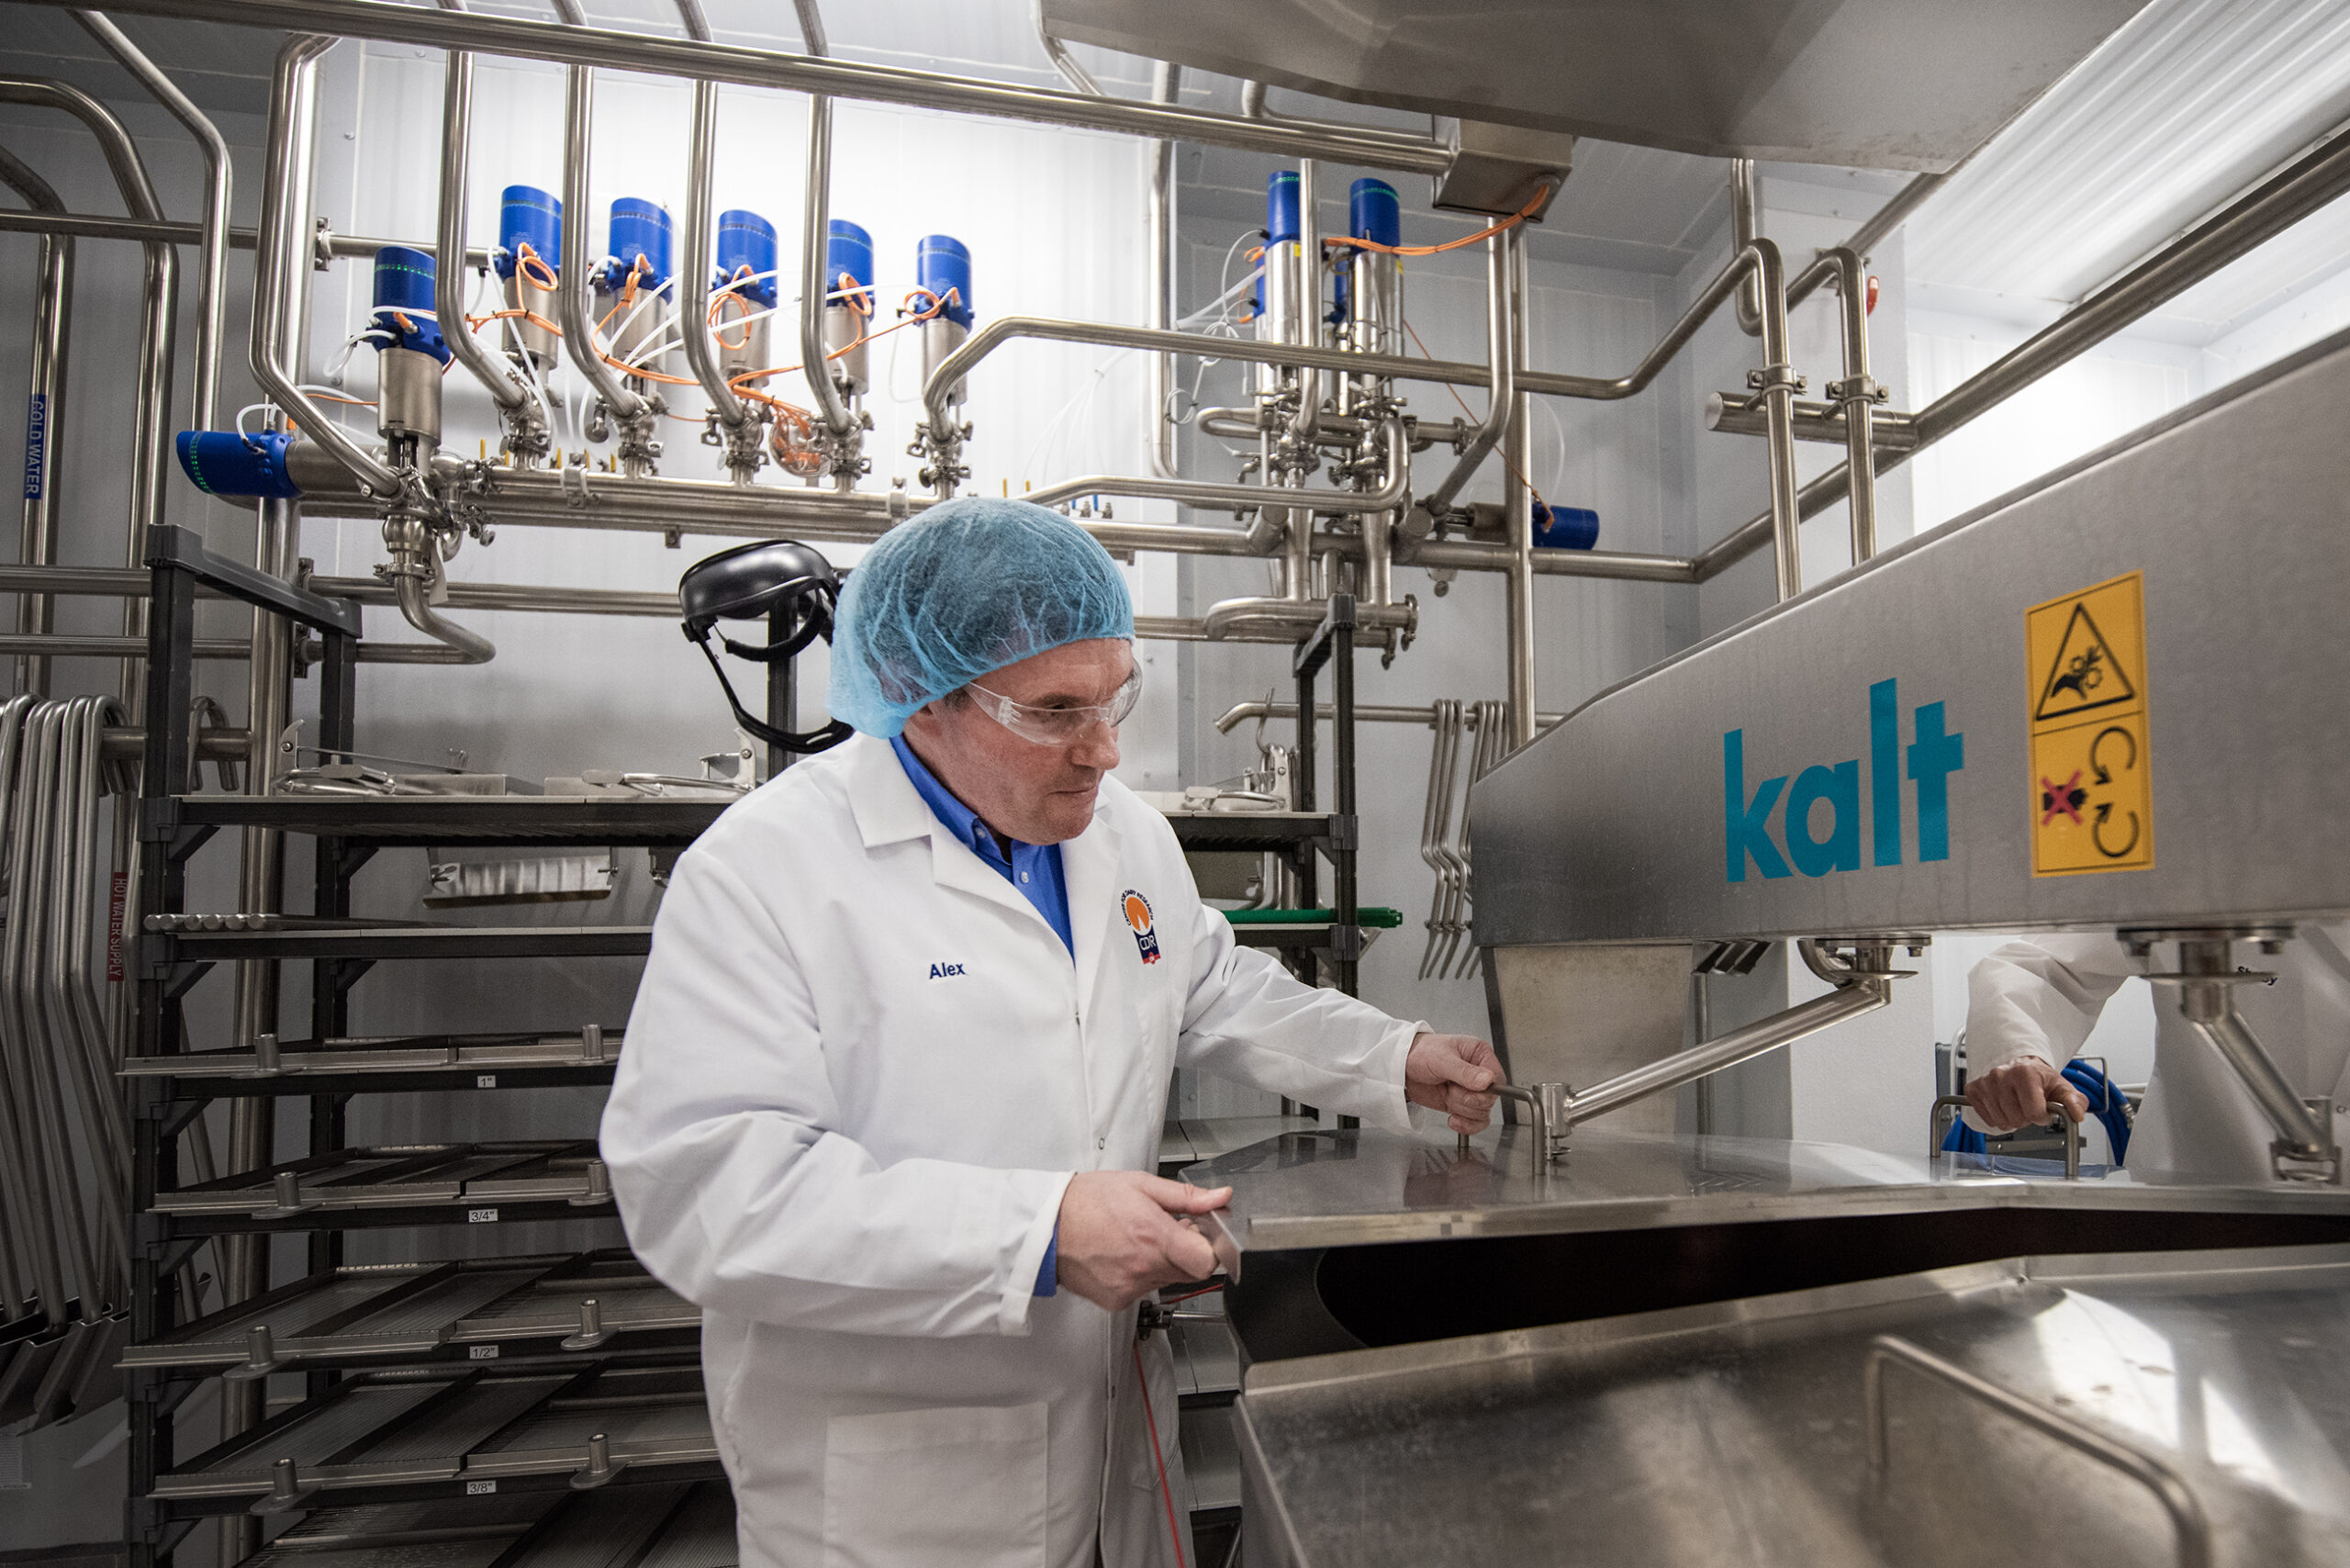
(1138, 921)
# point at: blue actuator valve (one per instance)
(943, 291)
(529, 263)
(230, 463)
(1564, 527)
(848, 303)
(411, 350)
(744, 291)
(641, 238)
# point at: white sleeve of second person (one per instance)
(736, 1192)
(1248, 1019)
(2040, 999)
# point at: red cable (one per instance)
(1165, 1491)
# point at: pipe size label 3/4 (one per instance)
(2092, 796)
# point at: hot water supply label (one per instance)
(2092, 799)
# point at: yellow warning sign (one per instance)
(2092, 795)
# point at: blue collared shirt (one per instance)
(1035, 869)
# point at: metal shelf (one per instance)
(580, 1304)
(660, 1525)
(390, 1063)
(377, 942)
(456, 1427)
(404, 1184)
(579, 820)
(1247, 830)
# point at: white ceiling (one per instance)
(2181, 110)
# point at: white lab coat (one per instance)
(860, 1070)
(2041, 998)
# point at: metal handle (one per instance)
(1936, 1129)
(2170, 1489)
(1548, 1111)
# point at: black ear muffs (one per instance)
(780, 581)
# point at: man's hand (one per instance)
(1123, 1234)
(1449, 1073)
(2016, 1095)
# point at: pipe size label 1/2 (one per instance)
(2092, 796)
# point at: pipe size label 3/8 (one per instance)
(2092, 796)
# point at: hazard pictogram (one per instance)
(2086, 672)
(2092, 794)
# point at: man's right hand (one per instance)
(1123, 1234)
(2016, 1095)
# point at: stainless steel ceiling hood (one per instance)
(1874, 83)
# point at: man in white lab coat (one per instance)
(898, 1067)
(2031, 1005)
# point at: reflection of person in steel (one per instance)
(1441, 1179)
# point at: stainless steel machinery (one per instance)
(2113, 699)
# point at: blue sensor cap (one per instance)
(1281, 207)
(1374, 213)
(849, 249)
(527, 215)
(1564, 527)
(223, 463)
(746, 244)
(640, 231)
(943, 268)
(403, 317)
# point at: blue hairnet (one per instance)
(970, 586)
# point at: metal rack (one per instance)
(501, 1372)
(547, 1372)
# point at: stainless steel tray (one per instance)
(390, 1053)
(664, 1525)
(443, 1423)
(2181, 1408)
(1334, 1188)
(406, 1176)
(411, 1309)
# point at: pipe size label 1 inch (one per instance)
(2091, 786)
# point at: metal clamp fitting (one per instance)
(599, 1467)
(261, 1357)
(599, 1186)
(1858, 389)
(1773, 378)
(592, 1331)
(285, 1188)
(287, 1489)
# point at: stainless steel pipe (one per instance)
(1863, 994)
(1165, 88)
(511, 392)
(1518, 508)
(693, 277)
(325, 246)
(1365, 712)
(2306, 184)
(530, 39)
(281, 266)
(1197, 493)
(150, 421)
(45, 405)
(212, 268)
(573, 279)
(815, 280)
(1501, 391)
(1080, 79)
(1890, 429)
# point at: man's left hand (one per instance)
(1450, 1073)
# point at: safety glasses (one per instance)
(1057, 726)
